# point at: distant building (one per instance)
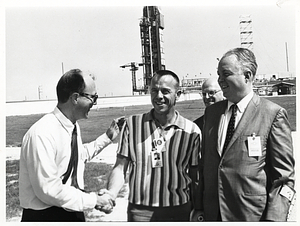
(283, 88)
(280, 86)
(262, 86)
(274, 76)
(192, 84)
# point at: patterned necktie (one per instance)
(230, 129)
(73, 161)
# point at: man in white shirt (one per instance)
(51, 180)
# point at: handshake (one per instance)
(105, 201)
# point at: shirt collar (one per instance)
(179, 122)
(65, 122)
(243, 103)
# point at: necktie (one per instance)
(230, 129)
(73, 161)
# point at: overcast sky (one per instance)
(99, 39)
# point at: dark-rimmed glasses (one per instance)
(92, 98)
(210, 93)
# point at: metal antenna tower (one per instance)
(246, 33)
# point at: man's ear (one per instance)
(178, 93)
(74, 98)
(248, 76)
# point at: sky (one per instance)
(43, 41)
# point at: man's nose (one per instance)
(220, 79)
(206, 95)
(159, 94)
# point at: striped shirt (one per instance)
(162, 186)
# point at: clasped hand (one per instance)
(105, 201)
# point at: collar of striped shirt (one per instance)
(179, 122)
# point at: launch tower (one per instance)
(151, 30)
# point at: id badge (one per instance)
(156, 159)
(287, 192)
(158, 144)
(254, 146)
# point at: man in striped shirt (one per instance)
(161, 149)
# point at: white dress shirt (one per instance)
(45, 155)
(241, 106)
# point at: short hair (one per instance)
(71, 82)
(245, 57)
(161, 73)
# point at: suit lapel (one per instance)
(246, 119)
(222, 118)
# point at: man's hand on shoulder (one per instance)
(115, 128)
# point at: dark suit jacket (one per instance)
(199, 122)
(247, 188)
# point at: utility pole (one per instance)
(287, 57)
(40, 91)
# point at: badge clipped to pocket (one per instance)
(156, 153)
(254, 146)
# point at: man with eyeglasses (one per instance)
(92, 98)
(211, 93)
(52, 156)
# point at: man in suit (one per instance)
(211, 93)
(252, 177)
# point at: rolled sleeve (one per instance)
(95, 147)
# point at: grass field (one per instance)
(96, 173)
(98, 122)
(95, 176)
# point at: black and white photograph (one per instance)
(149, 111)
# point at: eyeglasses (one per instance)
(210, 93)
(92, 98)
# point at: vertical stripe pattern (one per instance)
(167, 185)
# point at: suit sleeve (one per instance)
(280, 168)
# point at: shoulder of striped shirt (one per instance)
(191, 125)
(137, 115)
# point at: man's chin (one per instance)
(160, 110)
